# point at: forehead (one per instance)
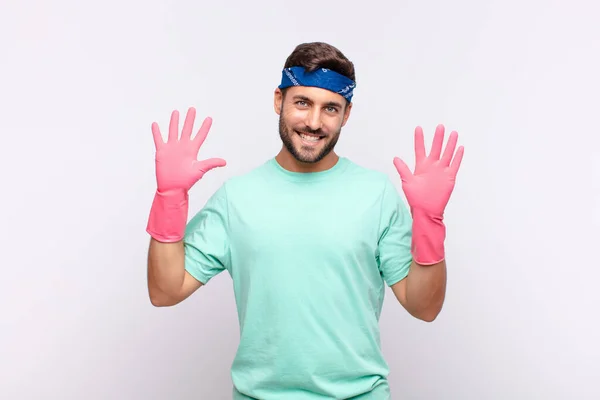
(315, 95)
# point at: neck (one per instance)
(287, 161)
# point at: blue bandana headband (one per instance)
(322, 78)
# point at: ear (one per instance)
(277, 100)
(347, 113)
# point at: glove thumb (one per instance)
(204, 166)
(402, 169)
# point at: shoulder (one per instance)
(369, 179)
(233, 189)
(246, 181)
(378, 187)
(250, 175)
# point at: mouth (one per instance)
(309, 139)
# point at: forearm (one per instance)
(426, 290)
(158, 298)
(166, 267)
(426, 281)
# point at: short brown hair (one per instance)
(317, 55)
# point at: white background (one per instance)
(81, 82)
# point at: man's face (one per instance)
(310, 121)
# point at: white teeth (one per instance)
(309, 138)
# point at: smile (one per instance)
(309, 138)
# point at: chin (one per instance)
(308, 154)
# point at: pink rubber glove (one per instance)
(428, 191)
(177, 170)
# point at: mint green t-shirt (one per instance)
(309, 255)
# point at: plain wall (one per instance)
(81, 82)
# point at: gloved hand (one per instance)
(428, 191)
(177, 170)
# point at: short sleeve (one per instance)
(394, 247)
(206, 240)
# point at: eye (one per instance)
(301, 103)
(332, 109)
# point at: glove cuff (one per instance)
(428, 237)
(168, 216)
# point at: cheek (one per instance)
(332, 125)
(292, 119)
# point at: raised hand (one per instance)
(428, 191)
(177, 166)
(177, 170)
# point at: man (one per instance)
(309, 238)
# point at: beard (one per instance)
(306, 154)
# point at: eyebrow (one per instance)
(329, 103)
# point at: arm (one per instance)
(428, 191)
(423, 291)
(177, 170)
(168, 281)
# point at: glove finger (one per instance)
(157, 136)
(174, 127)
(202, 133)
(188, 124)
(456, 161)
(419, 145)
(449, 151)
(438, 141)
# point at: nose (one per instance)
(313, 120)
